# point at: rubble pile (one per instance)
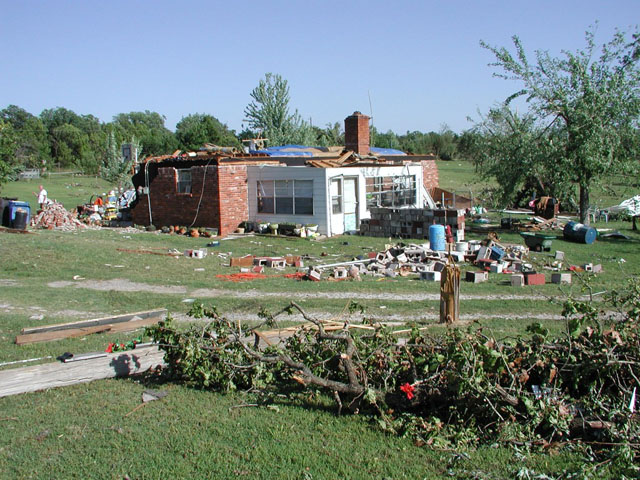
(421, 260)
(55, 217)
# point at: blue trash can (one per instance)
(14, 206)
(580, 233)
(436, 237)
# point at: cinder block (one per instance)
(314, 275)
(517, 280)
(340, 272)
(477, 277)
(560, 278)
(431, 276)
(534, 279)
(559, 255)
(438, 266)
(276, 263)
(597, 268)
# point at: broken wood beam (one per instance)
(97, 321)
(51, 375)
(79, 332)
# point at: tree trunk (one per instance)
(584, 204)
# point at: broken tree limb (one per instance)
(51, 375)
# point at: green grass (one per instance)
(82, 431)
(70, 190)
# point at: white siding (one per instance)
(328, 224)
(264, 173)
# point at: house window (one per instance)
(285, 197)
(336, 195)
(184, 180)
(265, 197)
(397, 191)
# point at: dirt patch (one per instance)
(119, 285)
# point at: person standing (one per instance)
(42, 196)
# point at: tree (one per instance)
(590, 101)
(31, 143)
(269, 113)
(515, 151)
(76, 140)
(148, 127)
(8, 141)
(195, 130)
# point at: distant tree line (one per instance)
(61, 138)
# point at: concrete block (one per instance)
(559, 255)
(477, 277)
(517, 280)
(495, 268)
(340, 272)
(560, 278)
(597, 268)
(276, 263)
(438, 266)
(431, 276)
(314, 275)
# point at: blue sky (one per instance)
(420, 61)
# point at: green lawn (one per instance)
(82, 431)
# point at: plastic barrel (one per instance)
(21, 219)
(580, 233)
(436, 237)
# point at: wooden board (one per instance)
(79, 332)
(97, 321)
(51, 375)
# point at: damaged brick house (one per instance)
(333, 187)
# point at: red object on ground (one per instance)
(534, 279)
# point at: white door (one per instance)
(350, 198)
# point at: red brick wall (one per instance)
(171, 208)
(356, 133)
(233, 193)
(429, 173)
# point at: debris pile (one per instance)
(55, 217)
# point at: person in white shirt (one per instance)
(42, 196)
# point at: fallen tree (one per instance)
(462, 388)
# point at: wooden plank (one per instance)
(79, 332)
(97, 321)
(51, 375)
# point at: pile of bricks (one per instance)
(55, 217)
(411, 222)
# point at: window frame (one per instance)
(391, 191)
(182, 186)
(289, 193)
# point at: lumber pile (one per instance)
(55, 217)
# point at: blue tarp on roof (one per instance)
(287, 151)
(306, 151)
(386, 151)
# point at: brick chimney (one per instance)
(356, 133)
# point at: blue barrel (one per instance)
(14, 206)
(577, 232)
(436, 237)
